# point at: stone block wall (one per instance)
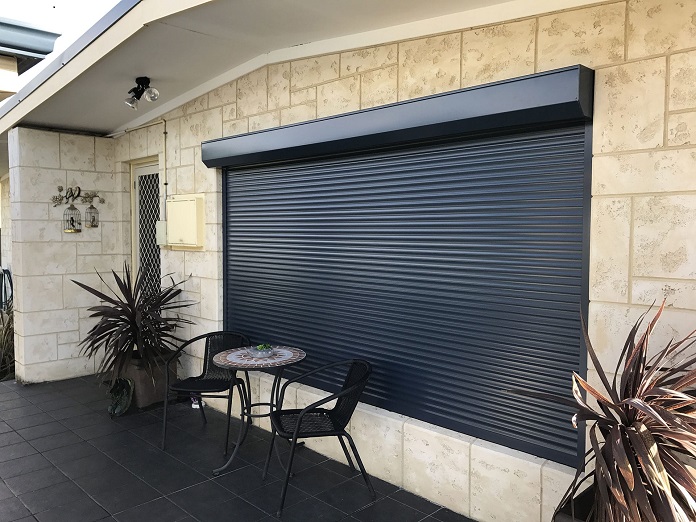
(642, 247)
(50, 310)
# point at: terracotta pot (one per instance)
(145, 391)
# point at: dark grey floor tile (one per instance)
(241, 510)
(315, 510)
(381, 486)
(242, 480)
(349, 496)
(129, 495)
(388, 510)
(202, 500)
(29, 421)
(12, 509)
(160, 510)
(70, 411)
(35, 480)
(446, 515)
(15, 467)
(9, 438)
(414, 501)
(99, 406)
(299, 464)
(4, 427)
(8, 396)
(52, 496)
(71, 452)
(42, 430)
(5, 492)
(82, 421)
(99, 430)
(138, 420)
(81, 510)
(267, 497)
(16, 451)
(107, 479)
(340, 468)
(316, 479)
(55, 441)
(165, 474)
(55, 403)
(75, 468)
(42, 397)
(16, 413)
(21, 402)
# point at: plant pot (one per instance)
(145, 391)
(583, 506)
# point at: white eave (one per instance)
(188, 47)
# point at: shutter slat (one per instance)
(455, 269)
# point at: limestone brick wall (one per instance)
(643, 208)
(50, 310)
(5, 224)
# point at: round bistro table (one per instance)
(239, 359)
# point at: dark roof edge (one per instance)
(562, 95)
(94, 32)
(22, 39)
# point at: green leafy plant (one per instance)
(264, 347)
(642, 431)
(134, 323)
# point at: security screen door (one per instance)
(146, 252)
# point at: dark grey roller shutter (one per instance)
(455, 268)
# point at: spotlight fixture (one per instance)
(142, 86)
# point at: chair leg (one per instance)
(362, 468)
(293, 445)
(270, 453)
(229, 417)
(200, 407)
(345, 452)
(164, 419)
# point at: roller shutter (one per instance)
(455, 268)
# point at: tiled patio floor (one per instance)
(63, 459)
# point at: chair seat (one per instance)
(317, 423)
(198, 385)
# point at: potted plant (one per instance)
(135, 332)
(260, 351)
(642, 435)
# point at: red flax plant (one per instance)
(647, 424)
(132, 323)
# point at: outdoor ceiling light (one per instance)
(142, 87)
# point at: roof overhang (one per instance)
(190, 47)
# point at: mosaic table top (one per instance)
(240, 359)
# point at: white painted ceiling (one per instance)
(183, 51)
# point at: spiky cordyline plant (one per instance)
(647, 423)
(131, 323)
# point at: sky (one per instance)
(70, 18)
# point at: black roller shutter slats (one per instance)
(456, 269)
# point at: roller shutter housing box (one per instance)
(185, 220)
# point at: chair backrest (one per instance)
(216, 342)
(358, 374)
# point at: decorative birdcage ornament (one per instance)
(91, 217)
(72, 220)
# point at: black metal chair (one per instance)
(212, 381)
(314, 421)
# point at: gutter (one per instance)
(57, 63)
(18, 38)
